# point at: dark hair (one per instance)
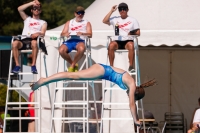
(199, 99)
(139, 93)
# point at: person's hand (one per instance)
(114, 8)
(35, 35)
(36, 3)
(79, 33)
(67, 34)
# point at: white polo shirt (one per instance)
(197, 116)
(125, 26)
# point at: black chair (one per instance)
(151, 126)
(175, 122)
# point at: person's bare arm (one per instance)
(65, 30)
(132, 104)
(41, 33)
(106, 19)
(130, 83)
(32, 100)
(135, 32)
(24, 6)
(43, 30)
(89, 31)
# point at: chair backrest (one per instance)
(174, 121)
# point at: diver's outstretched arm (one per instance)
(133, 107)
(130, 83)
(94, 72)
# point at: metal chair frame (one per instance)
(136, 73)
(19, 89)
(88, 63)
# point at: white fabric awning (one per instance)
(148, 37)
(161, 22)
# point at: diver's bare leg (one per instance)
(94, 72)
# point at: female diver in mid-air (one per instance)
(100, 71)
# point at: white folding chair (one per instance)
(20, 87)
(85, 102)
(136, 74)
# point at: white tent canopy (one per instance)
(162, 23)
(159, 20)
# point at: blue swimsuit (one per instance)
(113, 76)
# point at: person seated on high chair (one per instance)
(126, 25)
(33, 27)
(75, 30)
(196, 122)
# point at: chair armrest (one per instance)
(61, 39)
(41, 44)
(88, 42)
(18, 37)
(38, 40)
(109, 39)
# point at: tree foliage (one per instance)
(3, 91)
(55, 12)
(11, 22)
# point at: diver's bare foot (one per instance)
(37, 84)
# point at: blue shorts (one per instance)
(71, 44)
